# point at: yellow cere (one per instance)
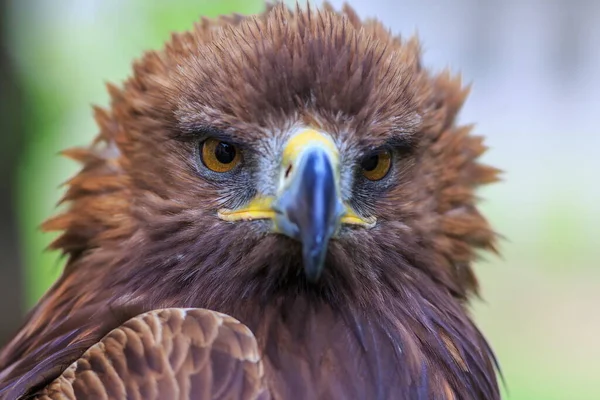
(304, 139)
(258, 208)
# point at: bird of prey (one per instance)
(278, 206)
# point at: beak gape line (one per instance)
(308, 205)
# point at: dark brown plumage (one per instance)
(383, 315)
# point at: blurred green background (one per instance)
(532, 64)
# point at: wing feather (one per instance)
(171, 353)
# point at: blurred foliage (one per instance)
(539, 296)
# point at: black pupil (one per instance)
(370, 162)
(225, 153)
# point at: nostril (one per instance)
(288, 170)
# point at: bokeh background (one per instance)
(535, 69)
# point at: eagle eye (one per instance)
(376, 165)
(219, 156)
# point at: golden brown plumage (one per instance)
(359, 293)
(166, 354)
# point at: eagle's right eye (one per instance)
(219, 156)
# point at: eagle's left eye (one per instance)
(376, 165)
(219, 156)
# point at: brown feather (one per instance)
(167, 354)
(387, 319)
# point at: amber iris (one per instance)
(376, 165)
(219, 156)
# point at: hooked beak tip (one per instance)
(308, 209)
(314, 260)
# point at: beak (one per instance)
(308, 205)
(309, 209)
